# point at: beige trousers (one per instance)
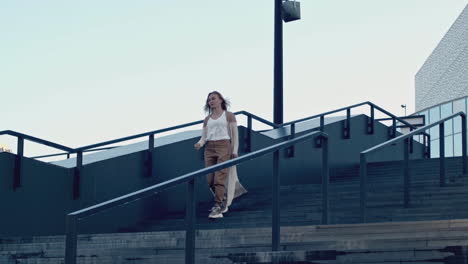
(216, 152)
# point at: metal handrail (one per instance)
(73, 218)
(406, 138)
(350, 107)
(151, 134)
(169, 129)
(79, 151)
(347, 124)
(249, 115)
(36, 140)
(68, 154)
(20, 149)
(88, 147)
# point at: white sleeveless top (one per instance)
(217, 129)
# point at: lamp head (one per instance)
(291, 10)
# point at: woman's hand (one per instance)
(197, 146)
(233, 156)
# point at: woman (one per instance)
(221, 142)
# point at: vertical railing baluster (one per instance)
(293, 135)
(424, 144)
(149, 160)
(77, 176)
(190, 218)
(18, 163)
(370, 124)
(275, 230)
(464, 150)
(363, 184)
(322, 123)
(428, 146)
(249, 134)
(411, 145)
(325, 181)
(442, 154)
(393, 128)
(406, 183)
(347, 128)
(71, 237)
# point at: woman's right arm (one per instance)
(202, 140)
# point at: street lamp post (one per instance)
(278, 65)
(288, 11)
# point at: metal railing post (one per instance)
(18, 163)
(190, 218)
(442, 154)
(363, 184)
(425, 146)
(411, 142)
(71, 239)
(393, 128)
(347, 125)
(406, 173)
(428, 146)
(77, 176)
(275, 228)
(149, 160)
(464, 150)
(290, 151)
(370, 124)
(249, 134)
(325, 181)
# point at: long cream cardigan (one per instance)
(233, 186)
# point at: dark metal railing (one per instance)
(151, 134)
(20, 151)
(406, 149)
(73, 218)
(347, 123)
(68, 153)
(99, 146)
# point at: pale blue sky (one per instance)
(81, 72)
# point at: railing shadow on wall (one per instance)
(407, 138)
(191, 202)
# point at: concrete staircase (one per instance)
(244, 234)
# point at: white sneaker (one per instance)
(222, 211)
(216, 212)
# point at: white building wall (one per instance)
(444, 75)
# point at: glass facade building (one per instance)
(441, 87)
(453, 129)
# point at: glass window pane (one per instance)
(457, 144)
(457, 125)
(448, 129)
(435, 148)
(449, 146)
(434, 132)
(446, 110)
(434, 114)
(458, 106)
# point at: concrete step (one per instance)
(212, 245)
